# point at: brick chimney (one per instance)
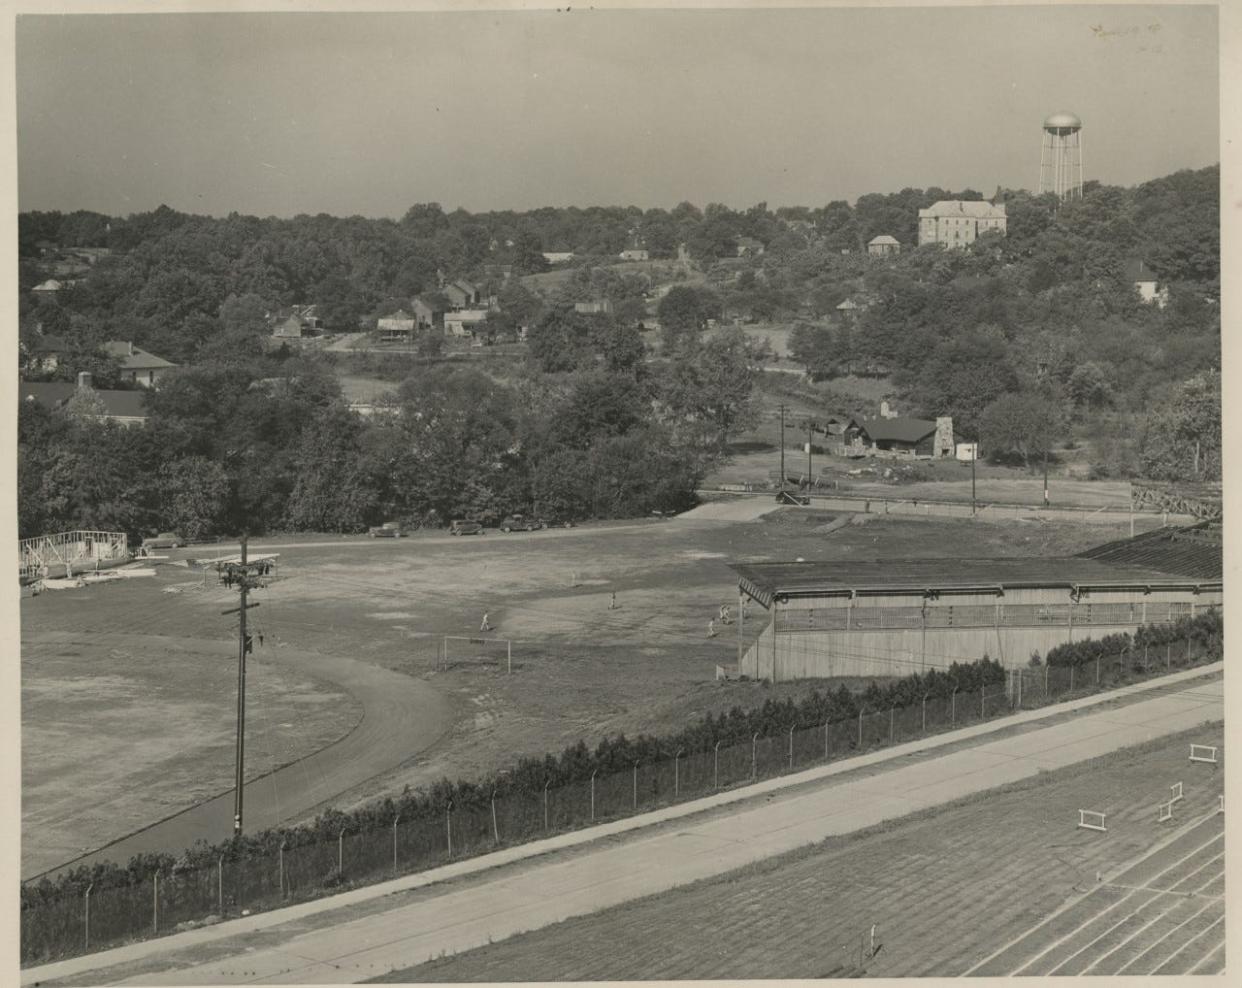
(84, 379)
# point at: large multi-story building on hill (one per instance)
(956, 223)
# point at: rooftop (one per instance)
(836, 578)
(54, 394)
(134, 358)
(899, 429)
(960, 207)
(884, 238)
(1196, 551)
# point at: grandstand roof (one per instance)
(1195, 551)
(764, 581)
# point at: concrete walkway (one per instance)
(327, 942)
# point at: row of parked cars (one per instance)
(391, 530)
(467, 526)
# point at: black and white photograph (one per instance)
(621, 493)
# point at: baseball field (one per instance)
(129, 691)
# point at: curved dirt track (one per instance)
(400, 718)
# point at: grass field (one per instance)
(946, 890)
(153, 674)
(119, 728)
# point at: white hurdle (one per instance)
(1203, 753)
(1091, 820)
(1166, 811)
(1175, 792)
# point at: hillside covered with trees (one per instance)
(1020, 338)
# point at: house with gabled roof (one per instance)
(883, 245)
(123, 407)
(138, 365)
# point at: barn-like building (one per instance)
(821, 619)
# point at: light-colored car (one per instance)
(464, 527)
(165, 540)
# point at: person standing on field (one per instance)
(485, 626)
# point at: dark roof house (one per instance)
(125, 407)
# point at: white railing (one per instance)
(75, 551)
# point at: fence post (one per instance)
(395, 820)
(1046, 670)
(1097, 670)
(340, 852)
(280, 868)
(860, 717)
(1146, 668)
(825, 739)
(88, 916)
(924, 731)
(716, 768)
(547, 820)
(220, 883)
(1071, 677)
(677, 774)
(448, 827)
(983, 702)
(953, 708)
(496, 827)
(634, 804)
(593, 794)
(1168, 657)
(892, 723)
(754, 748)
(155, 903)
(791, 730)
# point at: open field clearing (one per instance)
(108, 750)
(581, 670)
(945, 889)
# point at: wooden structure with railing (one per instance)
(70, 553)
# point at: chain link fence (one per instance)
(54, 926)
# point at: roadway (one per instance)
(369, 936)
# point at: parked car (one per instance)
(463, 527)
(165, 540)
(520, 523)
(388, 530)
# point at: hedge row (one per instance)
(1206, 629)
(530, 774)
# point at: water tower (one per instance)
(1060, 163)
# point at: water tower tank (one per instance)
(1060, 165)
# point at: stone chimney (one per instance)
(84, 380)
(944, 437)
(886, 412)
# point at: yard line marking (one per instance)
(1134, 960)
(1214, 963)
(1201, 933)
(1132, 915)
(1076, 902)
(1148, 888)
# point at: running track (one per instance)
(401, 717)
(314, 943)
(1163, 914)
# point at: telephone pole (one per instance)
(782, 408)
(245, 576)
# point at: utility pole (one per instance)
(974, 455)
(1046, 500)
(245, 577)
(782, 447)
(810, 476)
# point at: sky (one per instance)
(366, 114)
